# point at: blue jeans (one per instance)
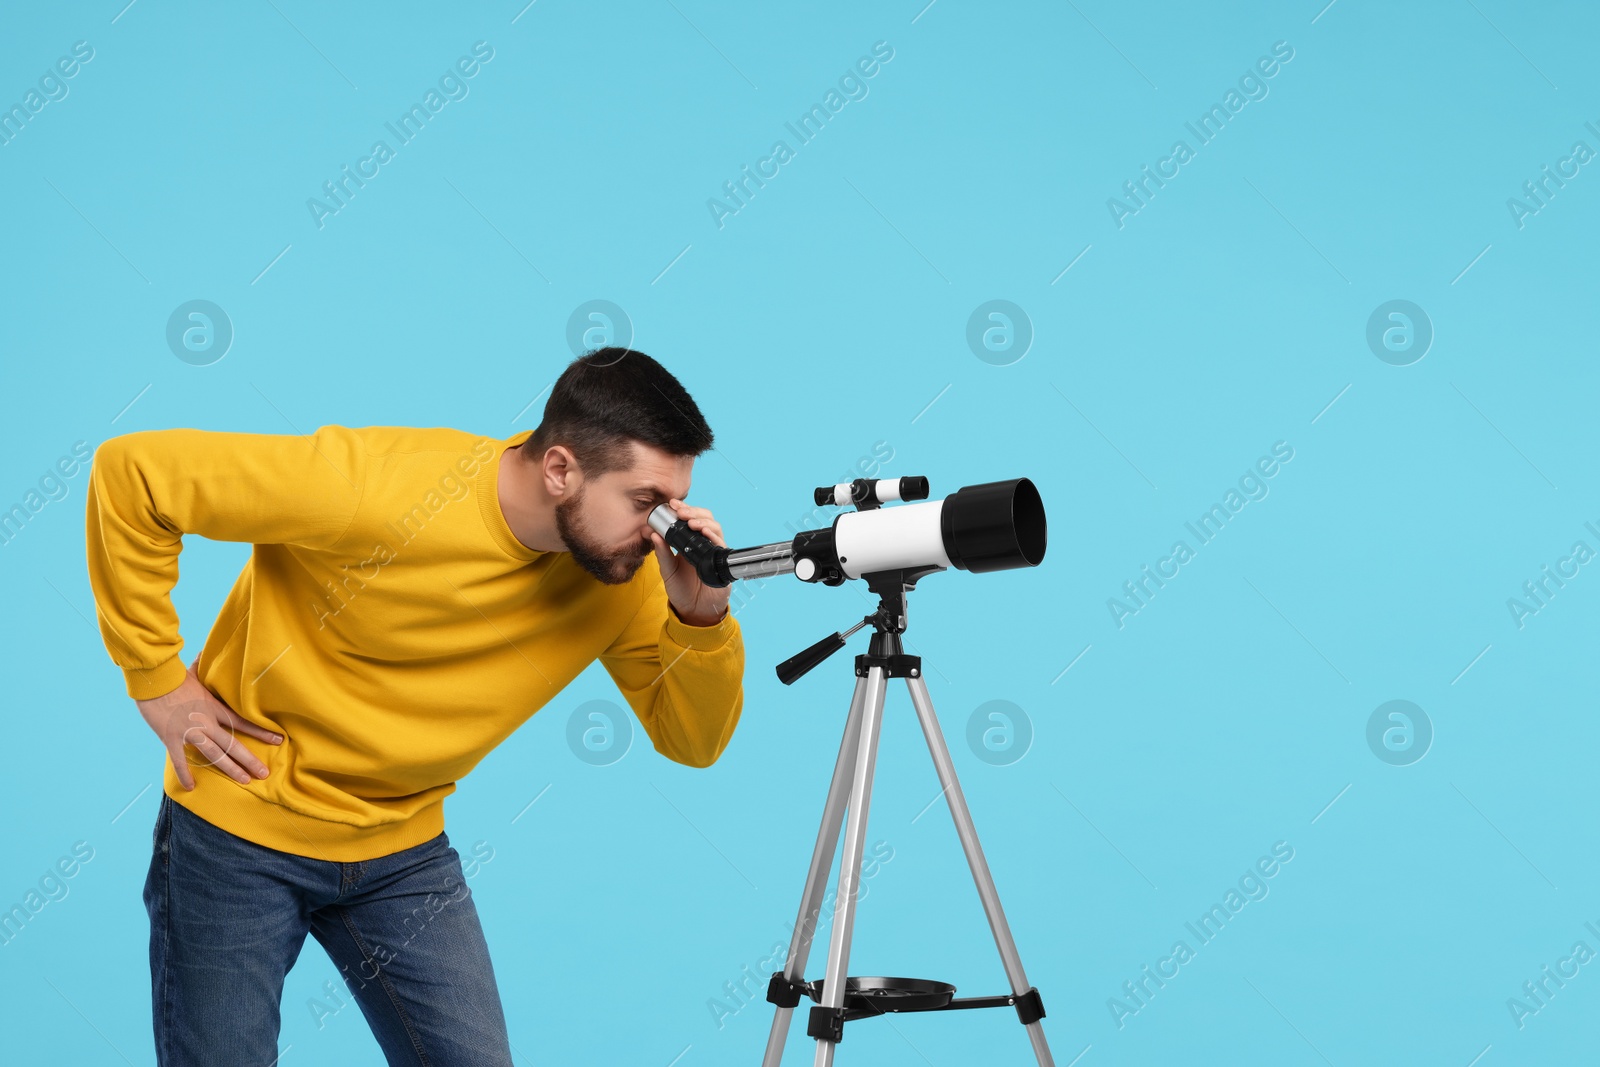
(228, 918)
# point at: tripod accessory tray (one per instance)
(866, 997)
(874, 996)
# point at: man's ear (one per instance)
(557, 468)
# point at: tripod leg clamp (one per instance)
(782, 992)
(1029, 1007)
(826, 1023)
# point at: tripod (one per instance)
(841, 999)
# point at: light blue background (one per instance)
(1227, 315)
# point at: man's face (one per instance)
(604, 524)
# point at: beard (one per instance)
(613, 567)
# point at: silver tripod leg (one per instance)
(844, 913)
(816, 878)
(975, 860)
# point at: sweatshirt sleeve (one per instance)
(686, 683)
(147, 489)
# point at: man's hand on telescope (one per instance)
(697, 604)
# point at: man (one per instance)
(412, 597)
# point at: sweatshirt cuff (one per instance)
(700, 638)
(155, 681)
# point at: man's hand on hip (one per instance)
(191, 715)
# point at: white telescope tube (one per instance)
(890, 538)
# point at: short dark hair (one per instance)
(610, 396)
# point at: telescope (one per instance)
(979, 528)
(993, 526)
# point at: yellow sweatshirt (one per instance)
(388, 624)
